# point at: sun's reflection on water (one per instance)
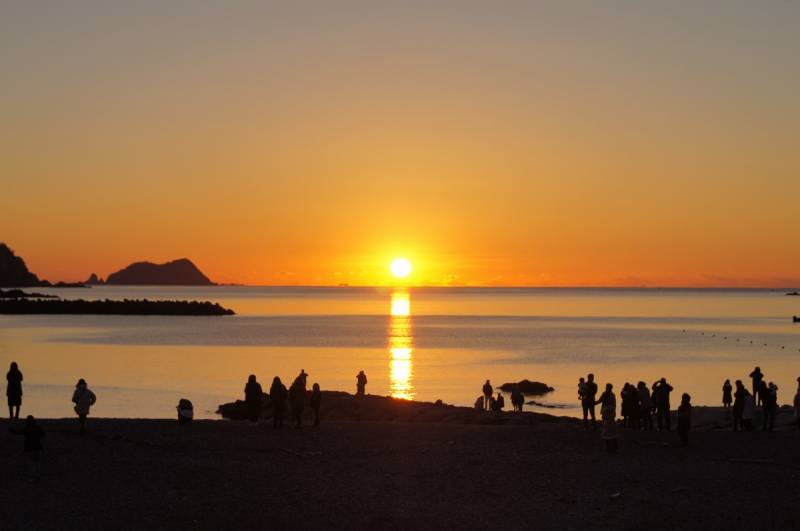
(401, 347)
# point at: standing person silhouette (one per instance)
(589, 402)
(252, 398)
(661, 394)
(684, 419)
(361, 383)
(14, 390)
(739, 397)
(770, 400)
(645, 406)
(278, 395)
(757, 376)
(608, 411)
(297, 398)
(84, 399)
(727, 397)
(315, 402)
(487, 395)
(797, 404)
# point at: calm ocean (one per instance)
(421, 343)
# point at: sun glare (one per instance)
(400, 267)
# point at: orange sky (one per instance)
(591, 144)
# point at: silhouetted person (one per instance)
(684, 419)
(297, 398)
(499, 403)
(487, 395)
(661, 391)
(589, 402)
(517, 398)
(361, 383)
(630, 406)
(315, 402)
(769, 394)
(748, 411)
(738, 405)
(727, 396)
(581, 389)
(608, 412)
(32, 448)
(645, 406)
(14, 390)
(252, 398)
(278, 396)
(797, 404)
(757, 376)
(185, 411)
(84, 399)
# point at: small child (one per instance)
(581, 388)
(33, 434)
(499, 403)
(684, 419)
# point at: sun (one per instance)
(400, 267)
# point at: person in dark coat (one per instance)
(589, 402)
(727, 395)
(645, 406)
(684, 419)
(253, 396)
(661, 391)
(14, 390)
(278, 395)
(297, 398)
(738, 405)
(769, 394)
(315, 402)
(517, 398)
(361, 383)
(33, 434)
(757, 376)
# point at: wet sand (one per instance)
(464, 470)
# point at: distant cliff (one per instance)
(180, 272)
(14, 272)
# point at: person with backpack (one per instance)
(84, 399)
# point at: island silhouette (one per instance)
(14, 273)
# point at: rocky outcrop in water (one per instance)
(180, 272)
(528, 387)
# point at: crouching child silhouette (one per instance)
(33, 434)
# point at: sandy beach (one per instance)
(433, 467)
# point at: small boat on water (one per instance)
(793, 294)
(796, 319)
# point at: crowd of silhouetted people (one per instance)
(642, 407)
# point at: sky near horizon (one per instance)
(514, 143)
